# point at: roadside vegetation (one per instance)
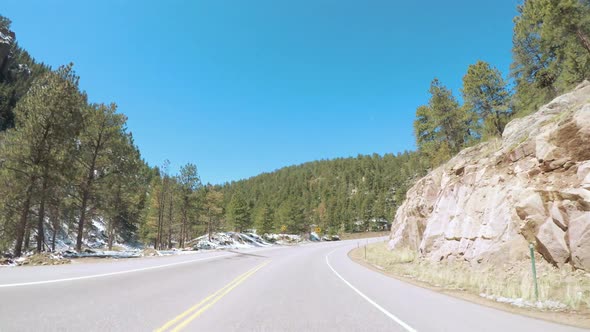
(559, 289)
(362, 235)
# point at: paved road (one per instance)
(313, 287)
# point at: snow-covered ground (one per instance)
(96, 238)
(228, 240)
(96, 241)
(522, 303)
(234, 240)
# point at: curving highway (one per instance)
(313, 287)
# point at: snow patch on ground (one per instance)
(228, 240)
(97, 241)
(522, 303)
(234, 240)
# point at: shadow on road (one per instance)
(245, 254)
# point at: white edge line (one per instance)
(109, 274)
(380, 308)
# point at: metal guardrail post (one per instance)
(534, 267)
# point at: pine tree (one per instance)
(121, 191)
(292, 218)
(238, 213)
(551, 50)
(487, 99)
(189, 183)
(103, 129)
(213, 209)
(5, 23)
(19, 71)
(46, 120)
(265, 220)
(442, 126)
(150, 229)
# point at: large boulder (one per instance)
(488, 203)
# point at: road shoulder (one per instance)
(575, 319)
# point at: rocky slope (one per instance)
(490, 201)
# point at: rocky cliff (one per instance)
(490, 201)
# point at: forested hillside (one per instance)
(333, 194)
(551, 54)
(17, 72)
(64, 160)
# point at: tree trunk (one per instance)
(40, 230)
(85, 198)
(170, 221)
(161, 206)
(110, 234)
(583, 39)
(27, 236)
(86, 192)
(53, 239)
(110, 242)
(54, 211)
(181, 238)
(209, 226)
(41, 219)
(82, 220)
(159, 234)
(182, 229)
(22, 225)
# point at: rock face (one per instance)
(490, 201)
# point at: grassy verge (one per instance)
(562, 292)
(363, 235)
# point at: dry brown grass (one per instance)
(363, 235)
(44, 259)
(571, 288)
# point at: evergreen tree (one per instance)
(103, 131)
(442, 126)
(189, 183)
(238, 213)
(551, 50)
(120, 195)
(47, 118)
(150, 229)
(265, 220)
(487, 99)
(17, 74)
(291, 217)
(5, 23)
(213, 209)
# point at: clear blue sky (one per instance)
(242, 87)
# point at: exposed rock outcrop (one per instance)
(490, 201)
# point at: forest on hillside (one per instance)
(66, 161)
(340, 195)
(551, 54)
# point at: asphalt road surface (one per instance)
(313, 287)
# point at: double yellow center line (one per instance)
(182, 320)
